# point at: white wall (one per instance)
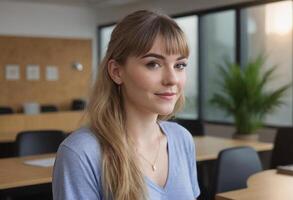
(48, 20)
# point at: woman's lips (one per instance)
(166, 95)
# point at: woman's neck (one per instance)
(143, 130)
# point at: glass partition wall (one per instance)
(267, 30)
(217, 46)
(189, 25)
(104, 39)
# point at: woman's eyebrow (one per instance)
(160, 56)
(154, 55)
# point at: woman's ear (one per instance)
(114, 70)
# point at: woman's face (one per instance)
(152, 83)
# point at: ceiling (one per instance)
(91, 3)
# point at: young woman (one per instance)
(129, 152)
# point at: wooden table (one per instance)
(14, 173)
(265, 185)
(208, 148)
(11, 125)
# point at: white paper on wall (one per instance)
(12, 72)
(52, 73)
(32, 72)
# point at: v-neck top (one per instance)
(77, 169)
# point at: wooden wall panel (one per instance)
(45, 51)
(11, 125)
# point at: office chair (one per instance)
(233, 167)
(5, 110)
(38, 142)
(48, 108)
(78, 104)
(195, 127)
(282, 153)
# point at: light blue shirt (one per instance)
(77, 169)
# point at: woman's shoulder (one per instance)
(82, 142)
(78, 165)
(177, 132)
(79, 136)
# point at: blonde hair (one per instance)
(133, 36)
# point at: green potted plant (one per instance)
(243, 94)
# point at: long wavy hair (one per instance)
(133, 36)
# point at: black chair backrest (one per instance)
(282, 153)
(78, 104)
(38, 142)
(5, 110)
(234, 166)
(48, 108)
(195, 127)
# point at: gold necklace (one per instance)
(153, 165)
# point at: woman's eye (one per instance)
(152, 65)
(180, 66)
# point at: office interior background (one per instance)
(238, 30)
(216, 30)
(63, 41)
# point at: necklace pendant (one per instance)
(154, 167)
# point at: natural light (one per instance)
(279, 18)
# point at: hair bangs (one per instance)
(175, 44)
(174, 39)
(143, 41)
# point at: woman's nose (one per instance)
(170, 77)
